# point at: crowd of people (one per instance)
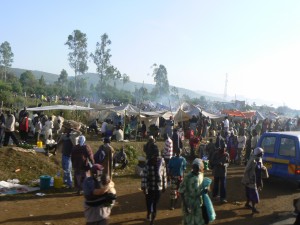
(91, 174)
(167, 169)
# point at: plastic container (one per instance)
(45, 182)
(58, 182)
(39, 144)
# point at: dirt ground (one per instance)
(66, 208)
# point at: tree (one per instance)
(101, 58)
(6, 57)
(42, 81)
(160, 75)
(125, 78)
(28, 81)
(113, 74)
(63, 78)
(78, 55)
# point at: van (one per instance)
(282, 154)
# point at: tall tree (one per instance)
(125, 78)
(160, 75)
(42, 81)
(113, 74)
(78, 55)
(63, 78)
(6, 57)
(28, 81)
(101, 58)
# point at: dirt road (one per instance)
(67, 208)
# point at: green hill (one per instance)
(93, 78)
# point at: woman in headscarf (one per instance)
(82, 159)
(252, 179)
(192, 189)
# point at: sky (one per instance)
(256, 43)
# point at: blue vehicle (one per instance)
(282, 154)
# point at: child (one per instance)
(37, 129)
(51, 144)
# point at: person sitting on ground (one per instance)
(118, 134)
(94, 126)
(51, 144)
(120, 158)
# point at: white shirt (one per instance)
(226, 123)
(103, 127)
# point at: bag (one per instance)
(101, 154)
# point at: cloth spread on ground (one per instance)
(10, 188)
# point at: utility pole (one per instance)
(225, 89)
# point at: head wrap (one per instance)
(199, 163)
(258, 151)
(81, 140)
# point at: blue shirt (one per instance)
(177, 166)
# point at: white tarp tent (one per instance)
(186, 112)
(59, 107)
(128, 109)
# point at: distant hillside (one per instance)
(93, 78)
(49, 77)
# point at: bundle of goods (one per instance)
(71, 124)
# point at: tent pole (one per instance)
(124, 122)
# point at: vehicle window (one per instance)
(268, 144)
(287, 147)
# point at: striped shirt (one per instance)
(154, 175)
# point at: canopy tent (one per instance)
(249, 114)
(186, 112)
(128, 109)
(259, 116)
(59, 107)
(234, 113)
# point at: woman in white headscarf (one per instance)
(82, 158)
(254, 172)
(193, 191)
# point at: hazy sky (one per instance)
(257, 42)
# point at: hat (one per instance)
(96, 167)
(106, 140)
(81, 140)
(198, 162)
(258, 151)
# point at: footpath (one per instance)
(288, 219)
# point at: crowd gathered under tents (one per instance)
(188, 131)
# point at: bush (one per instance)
(132, 154)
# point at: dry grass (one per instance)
(32, 166)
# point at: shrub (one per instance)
(132, 154)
